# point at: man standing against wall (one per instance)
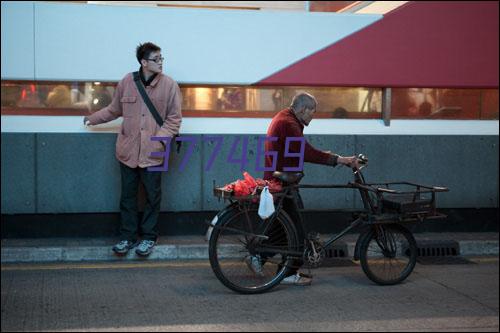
(134, 145)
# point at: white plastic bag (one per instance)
(266, 205)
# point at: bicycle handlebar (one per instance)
(362, 162)
(362, 159)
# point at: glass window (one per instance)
(79, 98)
(343, 102)
(427, 103)
(55, 98)
(264, 99)
(489, 104)
(333, 102)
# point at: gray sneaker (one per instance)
(298, 279)
(124, 246)
(255, 265)
(145, 247)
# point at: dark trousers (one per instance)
(291, 206)
(130, 228)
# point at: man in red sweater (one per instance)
(290, 122)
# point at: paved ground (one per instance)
(185, 295)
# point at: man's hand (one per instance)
(350, 161)
(86, 121)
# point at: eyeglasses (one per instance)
(157, 60)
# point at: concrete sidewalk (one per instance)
(196, 247)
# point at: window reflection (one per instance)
(30, 96)
(230, 99)
(59, 97)
(100, 97)
(11, 93)
(264, 99)
(344, 102)
(427, 103)
(70, 98)
(91, 96)
(489, 104)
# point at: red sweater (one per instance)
(285, 124)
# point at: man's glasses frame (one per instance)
(156, 60)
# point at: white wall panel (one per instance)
(74, 124)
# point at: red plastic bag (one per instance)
(252, 184)
(241, 188)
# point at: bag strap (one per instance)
(151, 107)
(146, 99)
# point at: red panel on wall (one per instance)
(421, 44)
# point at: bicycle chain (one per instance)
(314, 251)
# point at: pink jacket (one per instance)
(134, 145)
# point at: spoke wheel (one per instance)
(249, 255)
(388, 254)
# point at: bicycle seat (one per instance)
(288, 177)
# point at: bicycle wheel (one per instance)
(249, 255)
(388, 254)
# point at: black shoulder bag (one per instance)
(151, 107)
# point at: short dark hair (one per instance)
(144, 50)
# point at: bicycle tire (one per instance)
(388, 254)
(234, 273)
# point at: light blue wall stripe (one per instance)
(93, 42)
(18, 55)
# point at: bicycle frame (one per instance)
(372, 214)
